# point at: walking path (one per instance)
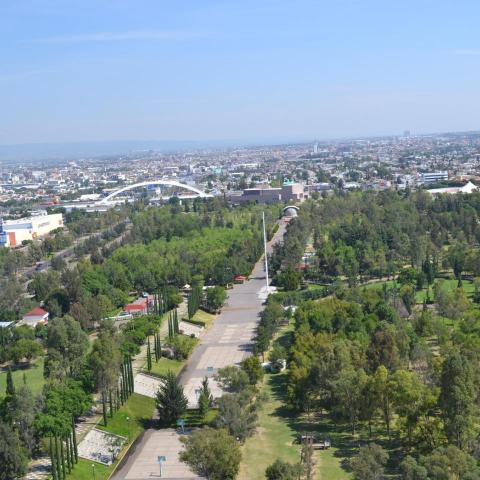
(227, 342)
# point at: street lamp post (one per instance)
(93, 471)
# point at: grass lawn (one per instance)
(378, 285)
(201, 316)
(277, 434)
(450, 284)
(83, 471)
(34, 374)
(193, 419)
(139, 409)
(161, 367)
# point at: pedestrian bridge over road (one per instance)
(193, 191)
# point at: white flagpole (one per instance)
(265, 250)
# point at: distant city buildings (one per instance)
(288, 192)
(250, 173)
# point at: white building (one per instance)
(14, 232)
(35, 316)
(432, 177)
(467, 188)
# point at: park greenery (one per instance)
(386, 349)
(379, 330)
(164, 248)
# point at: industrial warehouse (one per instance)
(14, 232)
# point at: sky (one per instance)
(244, 71)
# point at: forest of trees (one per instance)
(398, 370)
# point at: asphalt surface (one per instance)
(227, 342)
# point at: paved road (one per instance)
(227, 342)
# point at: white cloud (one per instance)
(120, 37)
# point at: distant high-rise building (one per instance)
(315, 147)
(406, 133)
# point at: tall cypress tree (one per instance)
(130, 371)
(104, 408)
(170, 327)
(74, 440)
(10, 390)
(62, 456)
(149, 356)
(53, 461)
(67, 453)
(175, 322)
(57, 456)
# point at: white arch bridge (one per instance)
(166, 183)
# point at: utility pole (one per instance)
(265, 250)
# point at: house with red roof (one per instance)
(35, 316)
(136, 308)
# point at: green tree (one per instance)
(66, 336)
(43, 283)
(10, 389)
(232, 378)
(411, 470)
(370, 462)
(457, 256)
(205, 399)
(212, 454)
(450, 463)
(458, 400)
(214, 298)
(281, 470)
(21, 411)
(348, 390)
(104, 362)
(253, 368)
(237, 413)
(171, 400)
(382, 388)
(13, 457)
(411, 399)
(290, 279)
(24, 349)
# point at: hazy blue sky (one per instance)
(74, 70)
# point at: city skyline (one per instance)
(223, 72)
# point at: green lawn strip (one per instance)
(139, 409)
(201, 316)
(163, 365)
(83, 470)
(33, 373)
(450, 284)
(193, 419)
(274, 438)
(378, 285)
(277, 436)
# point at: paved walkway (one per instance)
(165, 443)
(227, 342)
